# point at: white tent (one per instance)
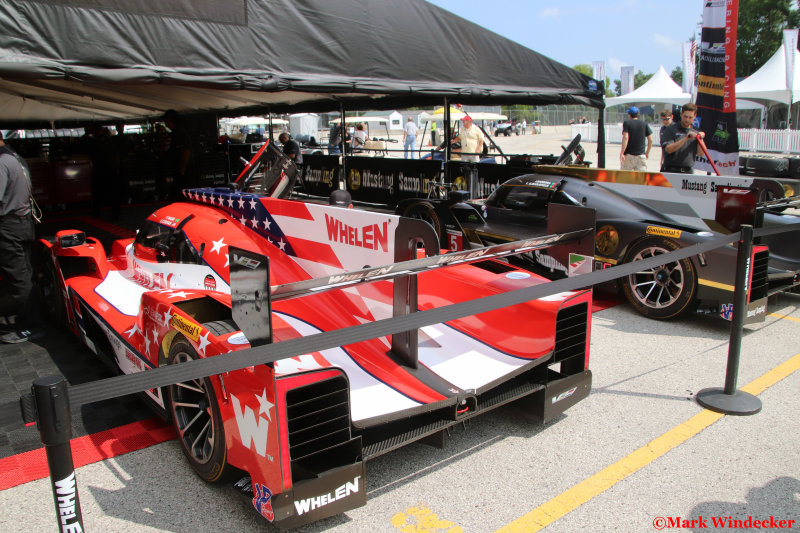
(660, 89)
(769, 82)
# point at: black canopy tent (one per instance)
(69, 61)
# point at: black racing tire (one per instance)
(194, 412)
(768, 166)
(663, 292)
(221, 327)
(424, 211)
(50, 287)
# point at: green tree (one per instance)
(760, 31)
(677, 75)
(583, 68)
(640, 79)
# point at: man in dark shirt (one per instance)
(679, 142)
(635, 134)
(16, 239)
(291, 149)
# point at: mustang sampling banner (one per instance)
(716, 98)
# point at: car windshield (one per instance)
(521, 197)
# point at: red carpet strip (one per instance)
(32, 465)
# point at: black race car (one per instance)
(628, 229)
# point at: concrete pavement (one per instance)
(499, 472)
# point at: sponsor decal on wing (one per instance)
(341, 492)
(186, 326)
(664, 232)
(262, 501)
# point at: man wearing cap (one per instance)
(341, 198)
(679, 142)
(471, 139)
(635, 135)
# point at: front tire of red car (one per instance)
(663, 292)
(196, 418)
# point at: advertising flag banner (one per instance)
(789, 46)
(688, 49)
(599, 70)
(716, 98)
(626, 77)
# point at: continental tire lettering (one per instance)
(187, 327)
(711, 85)
(664, 232)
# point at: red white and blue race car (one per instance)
(295, 434)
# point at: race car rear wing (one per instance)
(251, 293)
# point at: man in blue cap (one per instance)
(637, 140)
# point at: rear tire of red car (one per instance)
(196, 418)
(662, 292)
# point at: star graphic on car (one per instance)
(131, 332)
(217, 246)
(179, 294)
(203, 340)
(264, 405)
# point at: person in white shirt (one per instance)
(471, 139)
(409, 137)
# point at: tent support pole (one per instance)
(446, 141)
(343, 145)
(601, 131)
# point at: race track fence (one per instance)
(50, 402)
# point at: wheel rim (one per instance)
(191, 411)
(657, 287)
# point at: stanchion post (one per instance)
(55, 427)
(729, 400)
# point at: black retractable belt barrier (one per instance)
(49, 404)
(55, 427)
(729, 400)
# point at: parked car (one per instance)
(628, 229)
(296, 433)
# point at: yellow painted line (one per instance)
(572, 498)
(709, 283)
(777, 315)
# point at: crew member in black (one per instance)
(635, 134)
(679, 142)
(16, 238)
(291, 149)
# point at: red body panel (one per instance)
(135, 303)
